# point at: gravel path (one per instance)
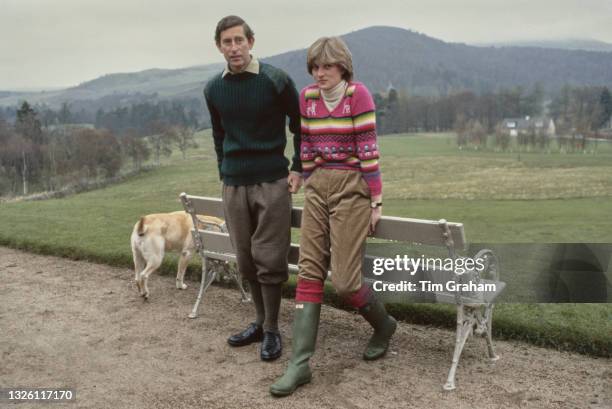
(76, 324)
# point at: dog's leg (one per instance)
(152, 251)
(152, 265)
(182, 266)
(139, 264)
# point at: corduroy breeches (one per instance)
(335, 224)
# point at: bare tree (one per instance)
(186, 139)
(477, 134)
(461, 129)
(17, 153)
(135, 147)
(97, 151)
(502, 137)
(162, 139)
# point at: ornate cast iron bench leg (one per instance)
(207, 278)
(465, 325)
(488, 334)
(244, 295)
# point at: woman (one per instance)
(343, 202)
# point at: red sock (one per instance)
(359, 298)
(309, 291)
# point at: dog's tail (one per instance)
(141, 227)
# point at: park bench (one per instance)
(474, 308)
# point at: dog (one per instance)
(154, 234)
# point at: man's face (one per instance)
(235, 47)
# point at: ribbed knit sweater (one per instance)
(344, 138)
(248, 115)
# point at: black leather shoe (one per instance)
(271, 347)
(253, 333)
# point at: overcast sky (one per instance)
(51, 43)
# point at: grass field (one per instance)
(501, 198)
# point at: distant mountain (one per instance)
(568, 44)
(383, 57)
(164, 82)
(423, 65)
(149, 84)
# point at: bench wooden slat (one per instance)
(213, 206)
(215, 242)
(210, 206)
(420, 231)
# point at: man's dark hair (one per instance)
(229, 22)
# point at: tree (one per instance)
(605, 102)
(560, 110)
(477, 134)
(162, 139)
(8, 158)
(461, 129)
(100, 118)
(97, 150)
(30, 140)
(135, 147)
(185, 138)
(64, 115)
(533, 103)
(16, 152)
(108, 153)
(392, 113)
(48, 117)
(502, 137)
(28, 125)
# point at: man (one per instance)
(248, 104)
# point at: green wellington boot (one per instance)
(305, 326)
(384, 327)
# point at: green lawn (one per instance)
(540, 198)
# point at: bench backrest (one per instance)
(414, 231)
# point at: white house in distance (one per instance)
(517, 126)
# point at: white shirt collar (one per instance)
(252, 67)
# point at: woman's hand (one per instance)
(374, 218)
(294, 180)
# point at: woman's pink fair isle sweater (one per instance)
(342, 139)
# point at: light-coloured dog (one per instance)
(154, 234)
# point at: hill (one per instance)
(584, 44)
(113, 89)
(423, 65)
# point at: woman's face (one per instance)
(327, 76)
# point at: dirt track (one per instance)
(82, 325)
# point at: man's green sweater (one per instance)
(247, 113)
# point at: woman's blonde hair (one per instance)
(330, 50)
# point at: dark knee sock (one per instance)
(257, 298)
(361, 297)
(272, 300)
